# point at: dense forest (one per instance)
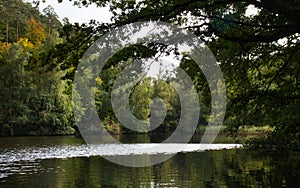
(259, 56)
(34, 98)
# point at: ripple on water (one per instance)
(27, 160)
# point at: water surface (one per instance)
(68, 162)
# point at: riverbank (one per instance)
(242, 136)
(18, 130)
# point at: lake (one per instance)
(69, 162)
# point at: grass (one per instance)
(247, 133)
(243, 134)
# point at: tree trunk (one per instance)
(6, 29)
(48, 26)
(17, 36)
(12, 131)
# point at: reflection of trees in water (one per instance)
(249, 169)
(235, 168)
(226, 168)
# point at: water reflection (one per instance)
(225, 168)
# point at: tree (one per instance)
(164, 91)
(35, 32)
(32, 102)
(52, 18)
(13, 88)
(278, 19)
(259, 53)
(14, 14)
(140, 101)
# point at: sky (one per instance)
(84, 15)
(75, 14)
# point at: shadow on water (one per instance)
(224, 168)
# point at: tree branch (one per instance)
(292, 12)
(282, 67)
(267, 37)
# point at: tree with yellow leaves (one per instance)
(4, 47)
(25, 43)
(35, 32)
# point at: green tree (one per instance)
(257, 53)
(14, 95)
(52, 19)
(14, 14)
(32, 102)
(164, 91)
(140, 100)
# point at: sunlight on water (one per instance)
(30, 154)
(26, 160)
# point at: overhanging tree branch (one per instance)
(292, 54)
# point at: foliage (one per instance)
(35, 32)
(14, 15)
(52, 19)
(32, 101)
(26, 43)
(258, 53)
(4, 47)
